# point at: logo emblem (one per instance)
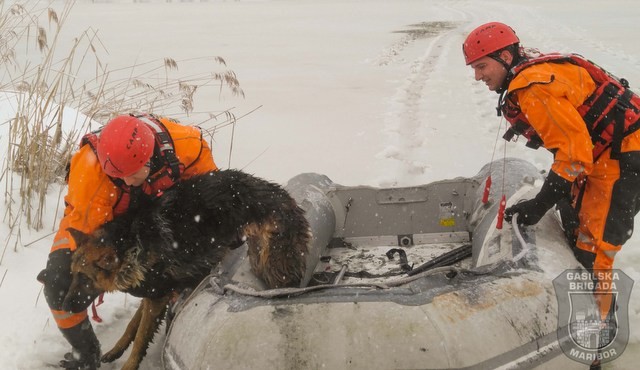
(593, 319)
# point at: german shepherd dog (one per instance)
(173, 242)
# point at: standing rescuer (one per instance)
(588, 119)
(129, 158)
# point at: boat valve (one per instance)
(405, 240)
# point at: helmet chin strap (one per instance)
(507, 67)
(505, 85)
(516, 59)
(499, 60)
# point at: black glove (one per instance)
(529, 212)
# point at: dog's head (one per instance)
(94, 267)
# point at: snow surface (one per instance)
(343, 90)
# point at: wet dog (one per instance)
(173, 242)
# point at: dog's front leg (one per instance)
(152, 316)
(127, 337)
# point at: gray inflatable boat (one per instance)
(415, 277)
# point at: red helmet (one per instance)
(486, 39)
(125, 145)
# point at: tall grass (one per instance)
(47, 94)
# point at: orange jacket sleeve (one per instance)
(548, 94)
(90, 198)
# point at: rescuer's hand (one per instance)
(529, 212)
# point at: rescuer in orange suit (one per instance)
(588, 119)
(129, 158)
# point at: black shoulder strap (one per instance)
(165, 144)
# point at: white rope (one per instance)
(272, 293)
(525, 247)
(287, 292)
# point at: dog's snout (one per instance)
(80, 294)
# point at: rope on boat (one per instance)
(525, 246)
(288, 292)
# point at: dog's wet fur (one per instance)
(172, 243)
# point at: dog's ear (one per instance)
(108, 261)
(80, 237)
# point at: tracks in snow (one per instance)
(419, 105)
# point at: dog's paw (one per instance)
(131, 365)
(111, 355)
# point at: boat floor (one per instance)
(370, 263)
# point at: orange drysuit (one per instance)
(92, 196)
(606, 190)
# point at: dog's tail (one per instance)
(278, 247)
